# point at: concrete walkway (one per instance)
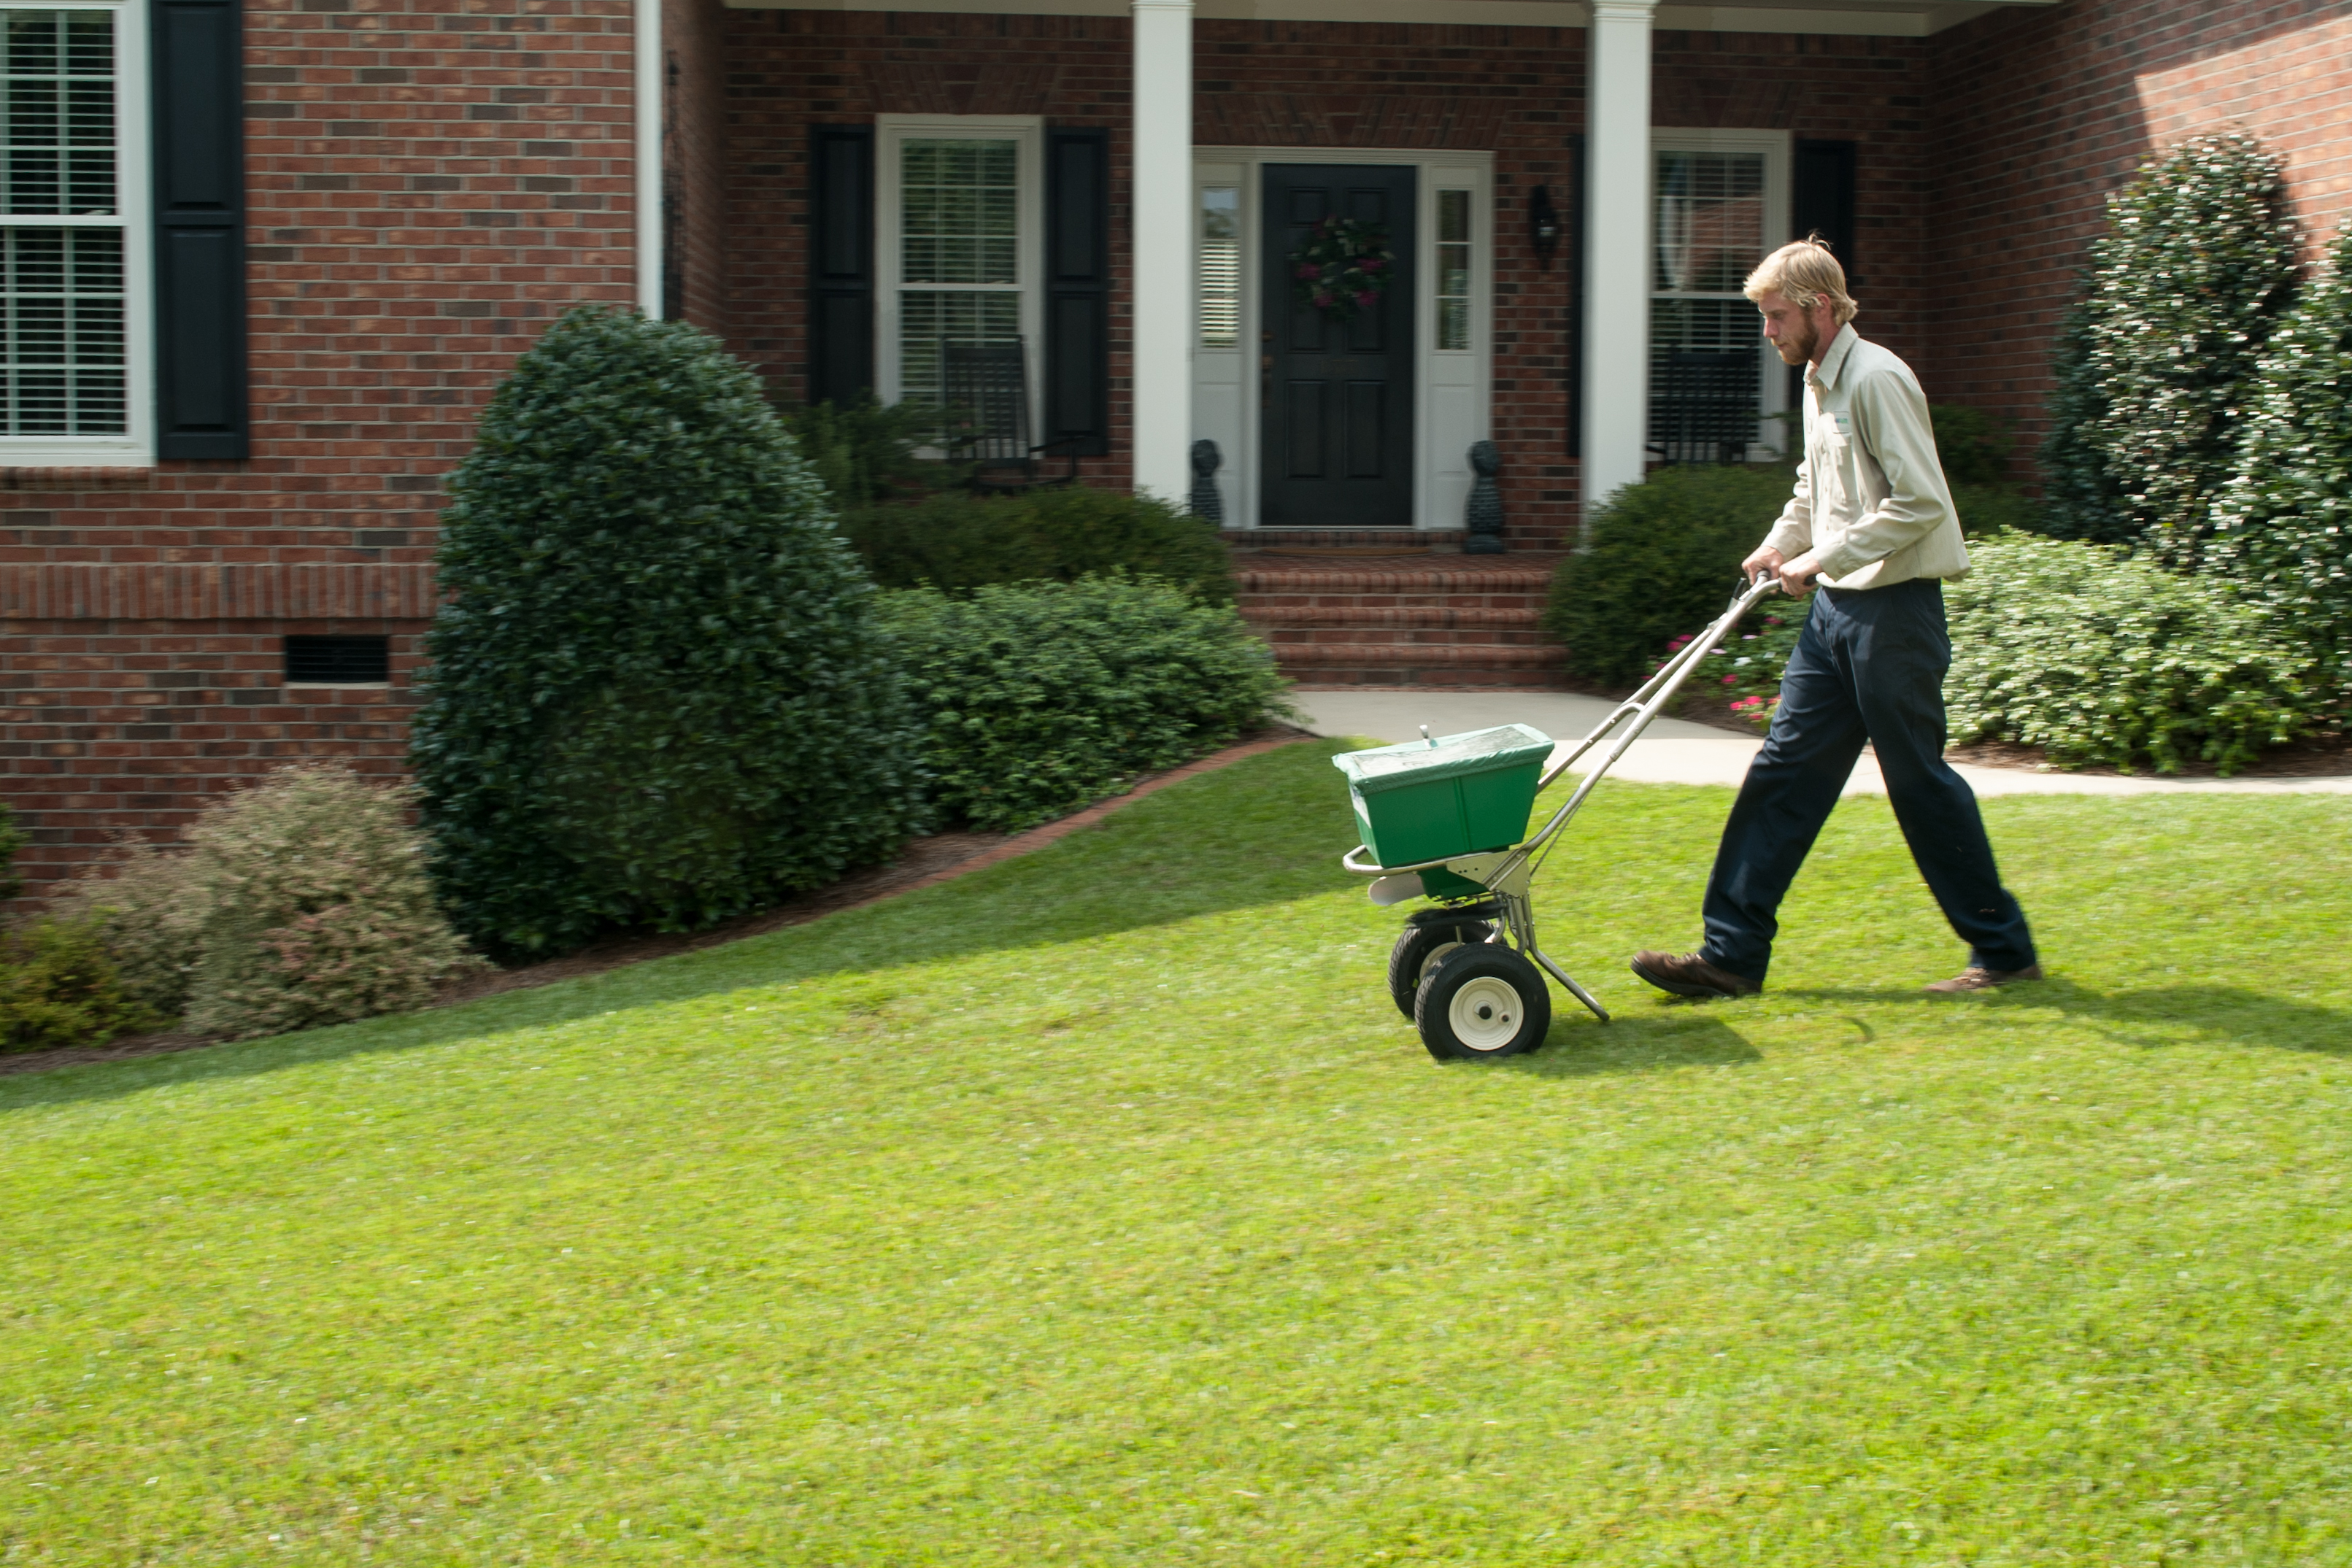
(1675, 751)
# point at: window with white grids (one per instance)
(72, 256)
(959, 243)
(1220, 269)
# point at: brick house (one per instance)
(261, 263)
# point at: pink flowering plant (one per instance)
(1744, 671)
(1343, 267)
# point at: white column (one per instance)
(648, 96)
(1162, 239)
(1617, 240)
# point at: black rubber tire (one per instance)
(1419, 948)
(1481, 1004)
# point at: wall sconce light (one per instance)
(1543, 226)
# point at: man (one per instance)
(1872, 521)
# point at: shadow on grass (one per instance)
(1579, 1048)
(1266, 831)
(2217, 1012)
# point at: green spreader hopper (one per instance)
(1452, 795)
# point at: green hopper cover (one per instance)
(1461, 756)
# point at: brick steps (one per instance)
(1401, 620)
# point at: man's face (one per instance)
(1788, 328)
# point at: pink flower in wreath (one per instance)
(1322, 300)
(1372, 264)
(1306, 269)
(1367, 299)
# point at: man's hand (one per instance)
(1765, 559)
(1797, 576)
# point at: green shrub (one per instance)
(1664, 559)
(657, 697)
(1972, 446)
(2184, 287)
(2099, 656)
(1996, 508)
(12, 839)
(153, 904)
(2283, 527)
(57, 989)
(864, 453)
(957, 541)
(1045, 696)
(301, 902)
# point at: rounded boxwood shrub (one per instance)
(958, 540)
(2183, 290)
(1045, 696)
(1664, 561)
(2097, 655)
(657, 697)
(2283, 527)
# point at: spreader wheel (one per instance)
(1480, 1003)
(1419, 950)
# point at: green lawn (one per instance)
(1099, 1209)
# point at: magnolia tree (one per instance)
(657, 694)
(2283, 526)
(2155, 364)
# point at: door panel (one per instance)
(1338, 396)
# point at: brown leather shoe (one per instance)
(1976, 977)
(1689, 975)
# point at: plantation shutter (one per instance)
(199, 156)
(1820, 198)
(1077, 290)
(841, 263)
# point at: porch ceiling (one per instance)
(1883, 18)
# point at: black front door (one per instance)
(1335, 429)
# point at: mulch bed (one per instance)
(923, 862)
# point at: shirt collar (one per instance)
(1826, 372)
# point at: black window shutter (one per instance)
(1077, 290)
(1821, 199)
(841, 263)
(199, 158)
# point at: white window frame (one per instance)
(135, 448)
(1453, 402)
(1772, 377)
(891, 132)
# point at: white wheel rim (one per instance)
(1436, 956)
(1486, 1013)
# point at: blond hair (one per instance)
(1807, 274)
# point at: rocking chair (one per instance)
(985, 396)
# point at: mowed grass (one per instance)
(1099, 1209)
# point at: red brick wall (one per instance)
(429, 186)
(2039, 115)
(788, 69)
(1870, 91)
(1515, 91)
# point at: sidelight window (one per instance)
(1220, 267)
(71, 317)
(1452, 269)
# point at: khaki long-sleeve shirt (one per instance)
(1871, 503)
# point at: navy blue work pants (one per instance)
(1869, 666)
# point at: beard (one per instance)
(1797, 351)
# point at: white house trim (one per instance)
(1868, 19)
(134, 216)
(646, 91)
(1452, 389)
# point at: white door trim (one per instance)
(1452, 389)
